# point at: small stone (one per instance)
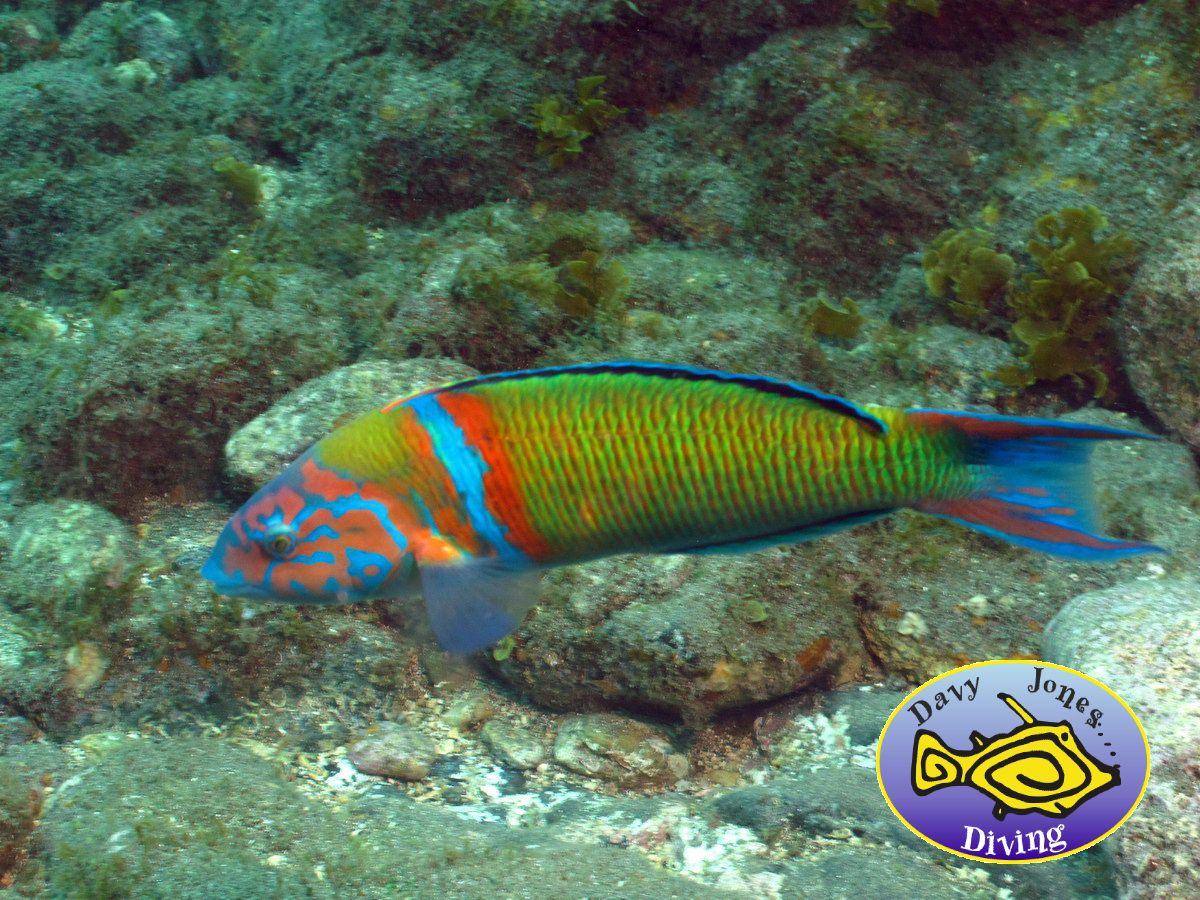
(468, 711)
(100, 744)
(67, 560)
(617, 749)
(135, 74)
(977, 605)
(825, 802)
(394, 751)
(912, 624)
(513, 747)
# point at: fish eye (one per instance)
(280, 542)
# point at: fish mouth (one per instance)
(223, 584)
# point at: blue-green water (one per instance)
(226, 227)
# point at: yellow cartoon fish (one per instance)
(1036, 767)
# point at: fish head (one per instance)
(313, 535)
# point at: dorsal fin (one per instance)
(830, 402)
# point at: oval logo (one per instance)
(1013, 761)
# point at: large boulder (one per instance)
(66, 562)
(259, 450)
(147, 411)
(688, 636)
(1159, 330)
(1142, 639)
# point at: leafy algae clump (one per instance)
(562, 127)
(874, 13)
(831, 320)
(243, 180)
(962, 264)
(1064, 312)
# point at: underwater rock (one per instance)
(67, 560)
(21, 799)
(866, 712)
(503, 287)
(685, 635)
(13, 642)
(697, 198)
(850, 183)
(951, 365)
(158, 818)
(512, 746)
(469, 710)
(817, 803)
(719, 310)
(167, 392)
(444, 136)
(1142, 639)
(617, 749)
(1158, 331)
(259, 450)
(25, 35)
(853, 872)
(395, 750)
(117, 33)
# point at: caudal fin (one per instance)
(934, 764)
(1037, 488)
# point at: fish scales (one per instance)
(657, 468)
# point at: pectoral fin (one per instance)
(472, 603)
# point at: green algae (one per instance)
(875, 13)
(751, 611)
(962, 268)
(563, 125)
(559, 274)
(503, 650)
(830, 320)
(1064, 312)
(243, 180)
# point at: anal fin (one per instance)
(791, 536)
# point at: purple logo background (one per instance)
(941, 816)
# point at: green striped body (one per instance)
(608, 462)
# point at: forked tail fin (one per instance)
(934, 764)
(1036, 489)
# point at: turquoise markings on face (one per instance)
(371, 569)
(341, 506)
(466, 468)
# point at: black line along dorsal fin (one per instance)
(831, 402)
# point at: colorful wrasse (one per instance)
(469, 489)
(1036, 767)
